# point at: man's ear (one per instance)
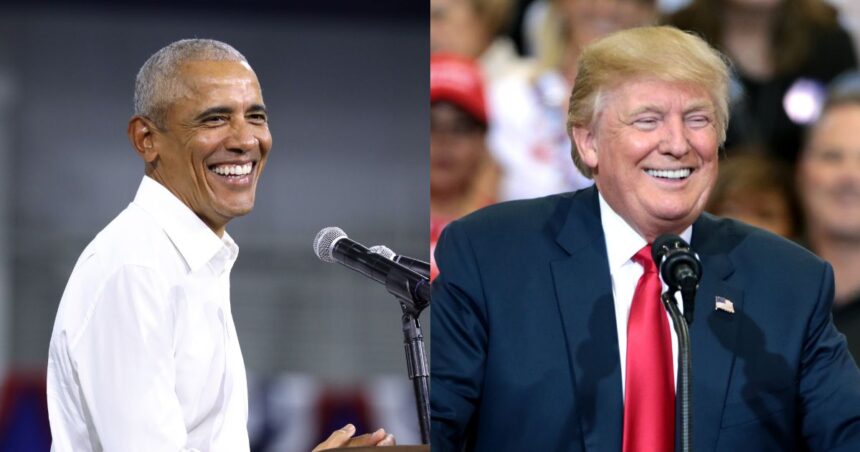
(586, 145)
(141, 133)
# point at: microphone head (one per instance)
(383, 251)
(664, 244)
(677, 264)
(324, 243)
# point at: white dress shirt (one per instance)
(144, 354)
(622, 243)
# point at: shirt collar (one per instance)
(625, 242)
(195, 241)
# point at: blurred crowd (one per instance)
(501, 72)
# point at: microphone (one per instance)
(418, 266)
(679, 267)
(332, 245)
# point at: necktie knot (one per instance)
(643, 257)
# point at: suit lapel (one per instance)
(714, 332)
(584, 295)
(586, 307)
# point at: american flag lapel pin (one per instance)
(724, 304)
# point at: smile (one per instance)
(678, 174)
(230, 170)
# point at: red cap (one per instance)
(458, 80)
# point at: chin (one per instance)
(243, 211)
(236, 210)
(671, 212)
(680, 208)
(677, 219)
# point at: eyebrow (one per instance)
(700, 106)
(257, 108)
(694, 107)
(645, 109)
(224, 110)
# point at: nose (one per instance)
(242, 137)
(675, 140)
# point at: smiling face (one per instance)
(829, 175)
(653, 152)
(214, 143)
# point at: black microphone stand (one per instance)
(413, 341)
(685, 369)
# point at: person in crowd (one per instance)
(758, 190)
(828, 181)
(784, 53)
(528, 135)
(144, 354)
(475, 29)
(548, 328)
(463, 177)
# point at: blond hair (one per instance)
(664, 53)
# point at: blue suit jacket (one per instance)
(525, 349)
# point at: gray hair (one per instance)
(157, 85)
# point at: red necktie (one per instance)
(649, 402)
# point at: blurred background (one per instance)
(345, 83)
(791, 161)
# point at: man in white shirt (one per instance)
(144, 354)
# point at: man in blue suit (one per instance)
(537, 341)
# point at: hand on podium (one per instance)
(343, 438)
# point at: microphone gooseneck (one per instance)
(681, 270)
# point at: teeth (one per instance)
(233, 170)
(670, 174)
